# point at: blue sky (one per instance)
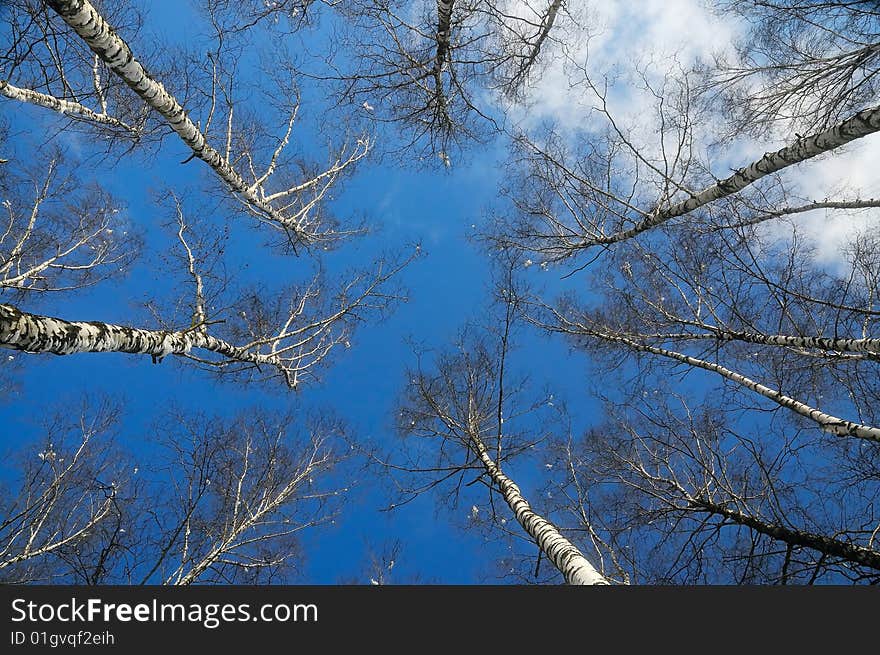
(438, 209)
(446, 287)
(406, 204)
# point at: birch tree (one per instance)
(51, 243)
(45, 68)
(264, 178)
(469, 421)
(735, 362)
(220, 501)
(719, 306)
(654, 145)
(570, 204)
(65, 490)
(59, 233)
(739, 380)
(253, 336)
(691, 497)
(249, 490)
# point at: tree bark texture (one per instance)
(565, 556)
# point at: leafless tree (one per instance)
(802, 65)
(737, 366)
(689, 497)
(780, 328)
(67, 487)
(59, 233)
(289, 335)
(432, 68)
(469, 420)
(219, 501)
(253, 163)
(43, 66)
(720, 358)
(249, 490)
(571, 203)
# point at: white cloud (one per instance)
(616, 37)
(853, 173)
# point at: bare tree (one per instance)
(217, 502)
(613, 188)
(290, 336)
(66, 489)
(248, 491)
(231, 500)
(718, 357)
(717, 305)
(44, 67)
(59, 234)
(804, 65)
(688, 498)
(472, 420)
(432, 68)
(292, 346)
(256, 168)
(738, 368)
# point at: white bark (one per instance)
(871, 203)
(44, 334)
(566, 557)
(444, 31)
(66, 107)
(860, 125)
(828, 423)
(113, 51)
(50, 543)
(34, 254)
(830, 344)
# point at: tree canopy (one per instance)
(529, 291)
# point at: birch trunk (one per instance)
(794, 537)
(546, 26)
(827, 422)
(862, 124)
(67, 107)
(43, 334)
(830, 344)
(113, 51)
(444, 31)
(565, 556)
